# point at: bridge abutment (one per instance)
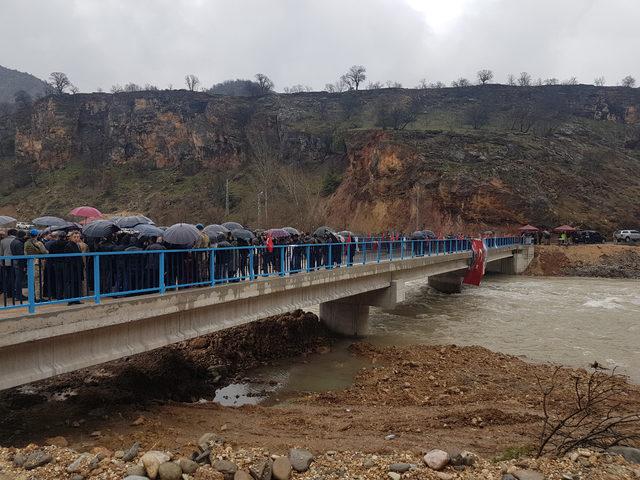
(515, 264)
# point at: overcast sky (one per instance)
(99, 43)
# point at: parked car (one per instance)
(627, 236)
(587, 236)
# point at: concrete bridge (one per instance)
(59, 339)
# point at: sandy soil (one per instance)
(607, 260)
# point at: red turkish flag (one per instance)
(479, 261)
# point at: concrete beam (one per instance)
(345, 318)
(514, 264)
(447, 283)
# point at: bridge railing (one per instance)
(32, 281)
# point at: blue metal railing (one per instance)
(78, 277)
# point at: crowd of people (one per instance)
(71, 276)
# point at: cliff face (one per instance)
(491, 155)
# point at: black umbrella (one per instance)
(233, 226)
(215, 229)
(133, 221)
(429, 234)
(217, 237)
(5, 219)
(419, 235)
(326, 233)
(100, 229)
(49, 221)
(183, 234)
(67, 227)
(146, 230)
(291, 230)
(242, 234)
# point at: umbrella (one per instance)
(419, 235)
(529, 228)
(243, 234)
(217, 237)
(564, 229)
(68, 226)
(87, 212)
(133, 221)
(429, 234)
(49, 221)
(146, 230)
(291, 230)
(277, 233)
(181, 234)
(215, 229)
(324, 232)
(232, 226)
(5, 219)
(99, 229)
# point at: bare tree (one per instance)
(595, 417)
(599, 81)
(132, 87)
(511, 80)
(551, 81)
(484, 76)
(477, 115)
(437, 84)
(374, 86)
(461, 82)
(116, 88)
(150, 87)
(73, 89)
(355, 76)
(422, 84)
(59, 82)
(628, 81)
(524, 80)
(265, 83)
(297, 88)
(570, 81)
(192, 82)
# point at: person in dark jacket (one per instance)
(152, 262)
(73, 269)
(19, 266)
(55, 267)
(7, 265)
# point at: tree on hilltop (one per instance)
(484, 76)
(354, 77)
(599, 82)
(524, 80)
(264, 83)
(461, 82)
(192, 82)
(628, 81)
(59, 82)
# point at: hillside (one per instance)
(490, 156)
(12, 81)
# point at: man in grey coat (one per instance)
(7, 264)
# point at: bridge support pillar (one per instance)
(446, 283)
(514, 265)
(345, 318)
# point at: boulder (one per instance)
(227, 468)
(132, 452)
(169, 471)
(436, 459)
(57, 441)
(37, 459)
(262, 469)
(445, 476)
(79, 463)
(152, 461)
(19, 459)
(400, 467)
(242, 475)
(508, 476)
(207, 473)
(135, 477)
(188, 466)
(136, 471)
(528, 475)
(630, 454)
(281, 468)
(394, 476)
(300, 459)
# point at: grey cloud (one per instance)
(103, 42)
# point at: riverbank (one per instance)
(606, 260)
(405, 402)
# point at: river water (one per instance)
(570, 321)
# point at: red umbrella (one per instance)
(529, 228)
(87, 212)
(564, 229)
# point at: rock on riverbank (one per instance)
(610, 261)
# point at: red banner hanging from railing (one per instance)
(478, 263)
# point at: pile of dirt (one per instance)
(608, 260)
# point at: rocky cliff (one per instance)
(446, 158)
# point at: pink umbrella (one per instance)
(529, 228)
(87, 212)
